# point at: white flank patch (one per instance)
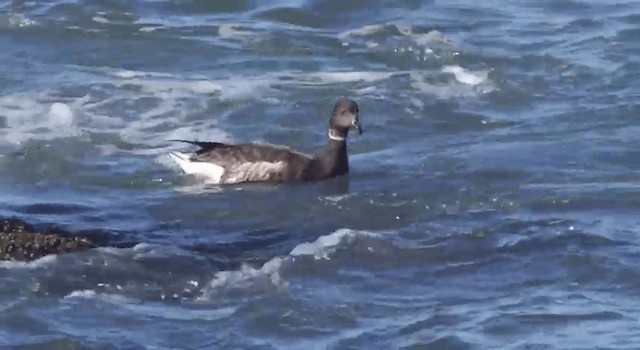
(254, 171)
(208, 170)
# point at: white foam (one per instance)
(247, 276)
(432, 37)
(170, 100)
(270, 269)
(465, 76)
(205, 87)
(148, 108)
(322, 78)
(246, 87)
(336, 199)
(410, 41)
(30, 118)
(404, 29)
(100, 19)
(106, 297)
(61, 114)
(81, 294)
(130, 74)
(117, 251)
(421, 82)
(38, 263)
(231, 30)
(366, 30)
(16, 20)
(176, 98)
(320, 249)
(262, 86)
(127, 74)
(163, 311)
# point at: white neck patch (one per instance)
(334, 135)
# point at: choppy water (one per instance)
(492, 203)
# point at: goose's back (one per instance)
(254, 163)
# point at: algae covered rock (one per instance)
(20, 241)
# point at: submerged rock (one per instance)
(20, 241)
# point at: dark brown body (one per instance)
(266, 163)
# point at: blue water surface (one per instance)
(492, 202)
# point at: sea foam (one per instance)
(248, 277)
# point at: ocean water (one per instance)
(492, 204)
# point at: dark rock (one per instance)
(20, 241)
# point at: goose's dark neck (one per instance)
(334, 160)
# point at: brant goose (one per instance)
(229, 164)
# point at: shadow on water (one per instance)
(337, 186)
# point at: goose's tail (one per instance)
(210, 171)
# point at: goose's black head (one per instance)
(345, 117)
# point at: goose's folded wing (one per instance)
(249, 162)
(224, 154)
